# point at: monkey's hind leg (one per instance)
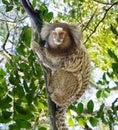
(62, 87)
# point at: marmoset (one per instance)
(66, 57)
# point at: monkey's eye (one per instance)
(54, 33)
(58, 35)
(62, 35)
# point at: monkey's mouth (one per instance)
(58, 41)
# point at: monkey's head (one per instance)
(61, 37)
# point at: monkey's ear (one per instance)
(46, 31)
(76, 34)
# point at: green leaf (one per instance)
(117, 19)
(43, 8)
(90, 106)
(100, 113)
(23, 124)
(104, 77)
(31, 58)
(49, 17)
(24, 66)
(104, 94)
(107, 90)
(9, 8)
(26, 35)
(6, 114)
(2, 73)
(3, 91)
(112, 55)
(101, 82)
(5, 2)
(113, 29)
(111, 117)
(34, 3)
(42, 128)
(81, 121)
(30, 97)
(116, 82)
(93, 121)
(19, 91)
(80, 108)
(41, 105)
(70, 122)
(72, 13)
(21, 110)
(14, 80)
(27, 116)
(5, 102)
(115, 68)
(21, 49)
(44, 13)
(25, 86)
(13, 127)
(82, 0)
(99, 93)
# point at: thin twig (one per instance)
(116, 101)
(14, 21)
(1, 60)
(2, 50)
(93, 85)
(115, 88)
(104, 16)
(4, 44)
(90, 19)
(104, 3)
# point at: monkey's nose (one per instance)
(59, 40)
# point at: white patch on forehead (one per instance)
(58, 29)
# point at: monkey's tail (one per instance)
(60, 118)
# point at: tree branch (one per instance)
(51, 104)
(104, 16)
(37, 24)
(115, 88)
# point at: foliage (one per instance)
(22, 91)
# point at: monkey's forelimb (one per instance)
(36, 49)
(41, 53)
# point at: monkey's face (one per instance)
(58, 35)
(59, 39)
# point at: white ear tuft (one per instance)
(77, 34)
(45, 31)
